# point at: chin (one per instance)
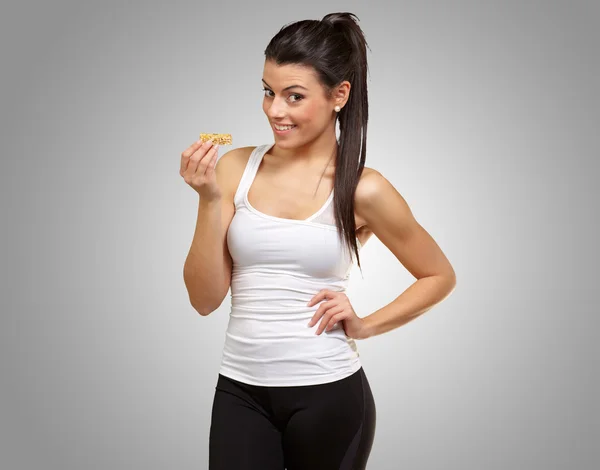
(283, 142)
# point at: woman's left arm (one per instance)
(389, 217)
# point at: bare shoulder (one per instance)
(369, 183)
(230, 168)
(235, 157)
(374, 189)
(374, 195)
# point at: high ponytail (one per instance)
(337, 50)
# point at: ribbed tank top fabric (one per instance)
(278, 266)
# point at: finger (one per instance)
(320, 295)
(192, 148)
(216, 147)
(186, 154)
(326, 319)
(198, 157)
(323, 308)
(336, 318)
(210, 169)
(318, 314)
(193, 152)
(205, 162)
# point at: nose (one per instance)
(276, 110)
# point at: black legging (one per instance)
(327, 426)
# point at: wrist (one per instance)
(367, 329)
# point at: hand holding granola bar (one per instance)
(198, 164)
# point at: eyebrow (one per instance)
(286, 88)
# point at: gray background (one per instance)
(484, 116)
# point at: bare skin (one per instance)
(296, 177)
(287, 191)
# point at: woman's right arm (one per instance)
(207, 268)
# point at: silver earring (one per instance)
(337, 109)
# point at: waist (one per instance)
(280, 349)
(276, 325)
(276, 291)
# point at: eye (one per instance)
(296, 95)
(266, 90)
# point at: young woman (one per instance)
(279, 223)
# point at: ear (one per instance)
(342, 93)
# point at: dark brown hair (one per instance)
(335, 47)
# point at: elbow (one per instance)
(206, 309)
(453, 279)
(203, 310)
(201, 307)
(450, 281)
(449, 277)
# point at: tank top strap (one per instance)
(325, 217)
(249, 172)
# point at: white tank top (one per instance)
(278, 266)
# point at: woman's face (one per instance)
(304, 106)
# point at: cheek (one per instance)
(311, 115)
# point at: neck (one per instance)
(316, 153)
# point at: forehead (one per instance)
(289, 74)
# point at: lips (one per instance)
(285, 131)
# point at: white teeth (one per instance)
(279, 128)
